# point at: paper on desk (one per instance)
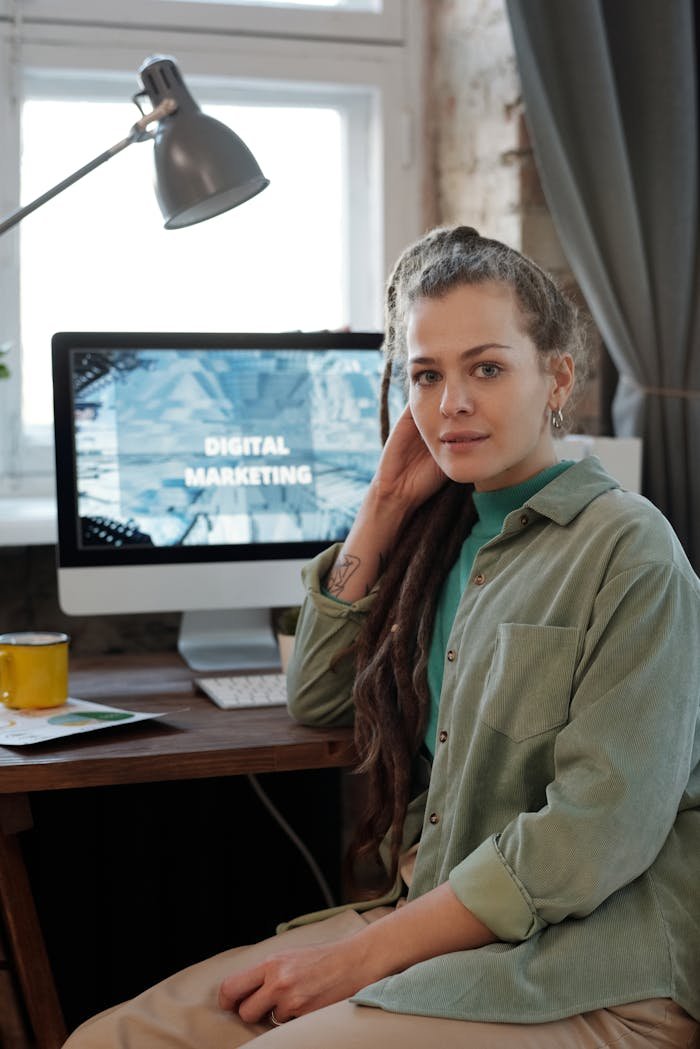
(18, 727)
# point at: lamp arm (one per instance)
(138, 133)
(18, 215)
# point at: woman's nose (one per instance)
(455, 399)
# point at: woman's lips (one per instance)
(462, 440)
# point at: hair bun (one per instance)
(464, 233)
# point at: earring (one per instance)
(557, 419)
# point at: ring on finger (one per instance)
(274, 1020)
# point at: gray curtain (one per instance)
(610, 97)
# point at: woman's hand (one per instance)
(298, 981)
(406, 476)
(407, 472)
(295, 982)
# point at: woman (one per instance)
(516, 641)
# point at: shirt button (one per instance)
(480, 579)
(451, 655)
(434, 818)
(443, 736)
(524, 520)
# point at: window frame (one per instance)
(385, 23)
(388, 74)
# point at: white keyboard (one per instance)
(245, 690)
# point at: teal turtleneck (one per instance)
(492, 509)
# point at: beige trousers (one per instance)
(182, 1013)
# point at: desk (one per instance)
(198, 742)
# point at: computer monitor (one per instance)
(199, 472)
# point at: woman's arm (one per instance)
(407, 475)
(621, 763)
(298, 981)
(319, 685)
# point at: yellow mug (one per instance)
(33, 669)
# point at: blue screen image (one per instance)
(223, 446)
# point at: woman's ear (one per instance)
(563, 372)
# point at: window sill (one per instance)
(27, 521)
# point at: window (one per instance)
(127, 272)
(328, 122)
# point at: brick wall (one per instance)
(475, 105)
(483, 169)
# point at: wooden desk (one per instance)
(197, 742)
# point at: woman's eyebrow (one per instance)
(473, 351)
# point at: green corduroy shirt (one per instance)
(492, 509)
(563, 804)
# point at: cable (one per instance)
(295, 839)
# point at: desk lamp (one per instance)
(202, 167)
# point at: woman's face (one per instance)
(480, 393)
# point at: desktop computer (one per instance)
(198, 472)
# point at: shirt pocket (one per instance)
(528, 686)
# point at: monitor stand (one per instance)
(234, 639)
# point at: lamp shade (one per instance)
(202, 167)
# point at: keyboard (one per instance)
(245, 690)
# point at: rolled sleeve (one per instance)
(490, 889)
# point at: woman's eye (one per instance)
(426, 378)
(487, 371)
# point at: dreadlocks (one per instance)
(391, 692)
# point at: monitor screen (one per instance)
(199, 472)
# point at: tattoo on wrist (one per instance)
(341, 572)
